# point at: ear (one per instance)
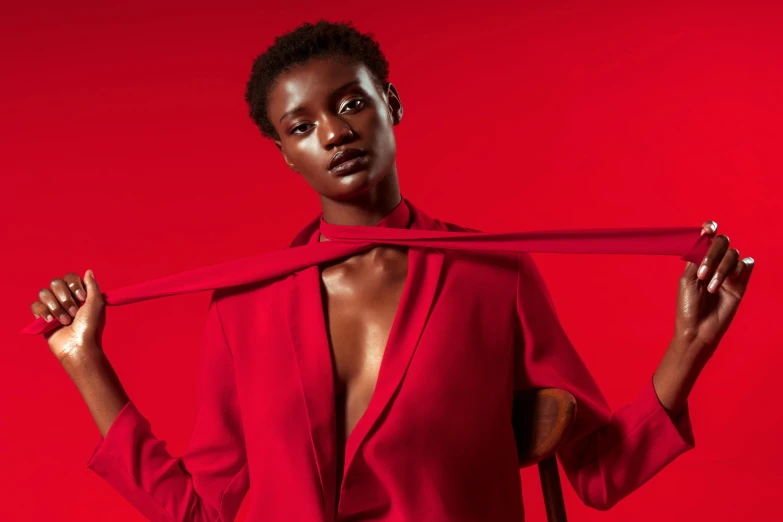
(393, 103)
(279, 146)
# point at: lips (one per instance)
(341, 156)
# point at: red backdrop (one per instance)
(126, 148)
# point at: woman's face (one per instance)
(325, 106)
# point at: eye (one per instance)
(300, 129)
(354, 104)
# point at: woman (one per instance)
(378, 386)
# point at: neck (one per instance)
(368, 208)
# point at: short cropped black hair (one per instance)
(322, 39)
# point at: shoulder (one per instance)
(521, 265)
(266, 289)
(266, 294)
(488, 267)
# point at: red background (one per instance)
(126, 148)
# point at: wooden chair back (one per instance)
(542, 419)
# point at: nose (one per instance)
(336, 131)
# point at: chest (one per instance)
(360, 300)
(320, 337)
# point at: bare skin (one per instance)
(78, 344)
(362, 295)
(319, 108)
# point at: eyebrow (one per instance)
(337, 90)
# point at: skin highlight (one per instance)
(339, 106)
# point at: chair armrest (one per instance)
(541, 419)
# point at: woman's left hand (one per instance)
(709, 294)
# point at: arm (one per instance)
(98, 384)
(209, 481)
(607, 455)
(708, 298)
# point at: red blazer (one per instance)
(436, 442)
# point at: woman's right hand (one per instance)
(82, 326)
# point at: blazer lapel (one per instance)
(311, 349)
(421, 286)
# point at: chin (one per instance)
(353, 185)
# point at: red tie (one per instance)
(391, 230)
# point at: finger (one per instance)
(726, 267)
(40, 310)
(51, 302)
(743, 269)
(76, 285)
(714, 255)
(709, 227)
(93, 290)
(690, 270)
(63, 294)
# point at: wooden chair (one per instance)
(542, 419)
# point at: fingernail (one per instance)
(702, 271)
(49, 318)
(749, 261)
(65, 318)
(80, 295)
(73, 310)
(713, 285)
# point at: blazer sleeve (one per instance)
(608, 454)
(209, 481)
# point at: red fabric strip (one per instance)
(685, 242)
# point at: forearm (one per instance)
(94, 376)
(676, 375)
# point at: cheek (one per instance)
(307, 152)
(383, 119)
(384, 141)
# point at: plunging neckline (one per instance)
(328, 340)
(325, 342)
(313, 354)
(324, 332)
